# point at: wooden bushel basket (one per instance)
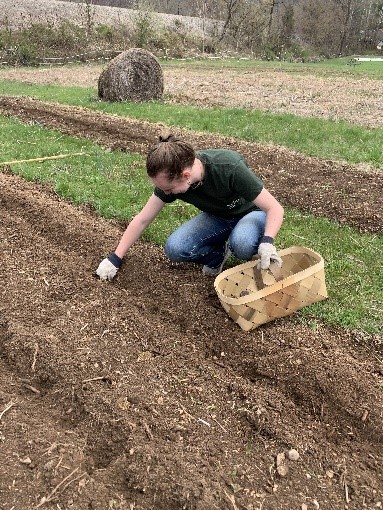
(252, 297)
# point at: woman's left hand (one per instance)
(268, 254)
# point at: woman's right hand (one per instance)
(109, 267)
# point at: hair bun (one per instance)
(167, 137)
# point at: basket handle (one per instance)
(276, 271)
(266, 277)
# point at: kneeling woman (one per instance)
(238, 215)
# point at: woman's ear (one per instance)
(186, 174)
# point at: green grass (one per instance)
(324, 139)
(341, 66)
(116, 185)
(354, 272)
(329, 67)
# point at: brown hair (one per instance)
(169, 155)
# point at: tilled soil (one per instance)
(142, 393)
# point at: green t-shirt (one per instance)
(228, 188)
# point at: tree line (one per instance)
(279, 28)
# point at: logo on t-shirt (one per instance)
(233, 203)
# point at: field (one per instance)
(338, 98)
(142, 393)
(20, 13)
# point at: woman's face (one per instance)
(178, 185)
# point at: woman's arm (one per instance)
(274, 218)
(108, 267)
(138, 224)
(274, 212)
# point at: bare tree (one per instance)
(315, 26)
(202, 9)
(273, 5)
(346, 12)
(231, 8)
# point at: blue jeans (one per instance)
(202, 239)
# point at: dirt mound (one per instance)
(142, 394)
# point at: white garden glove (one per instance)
(268, 253)
(108, 267)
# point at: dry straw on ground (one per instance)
(134, 75)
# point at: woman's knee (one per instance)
(171, 249)
(243, 249)
(177, 249)
(244, 239)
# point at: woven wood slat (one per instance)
(252, 297)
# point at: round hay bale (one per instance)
(134, 75)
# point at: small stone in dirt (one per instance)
(282, 470)
(293, 454)
(26, 460)
(281, 466)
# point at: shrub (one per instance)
(144, 30)
(26, 55)
(105, 33)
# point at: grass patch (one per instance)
(324, 139)
(354, 272)
(324, 68)
(116, 185)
